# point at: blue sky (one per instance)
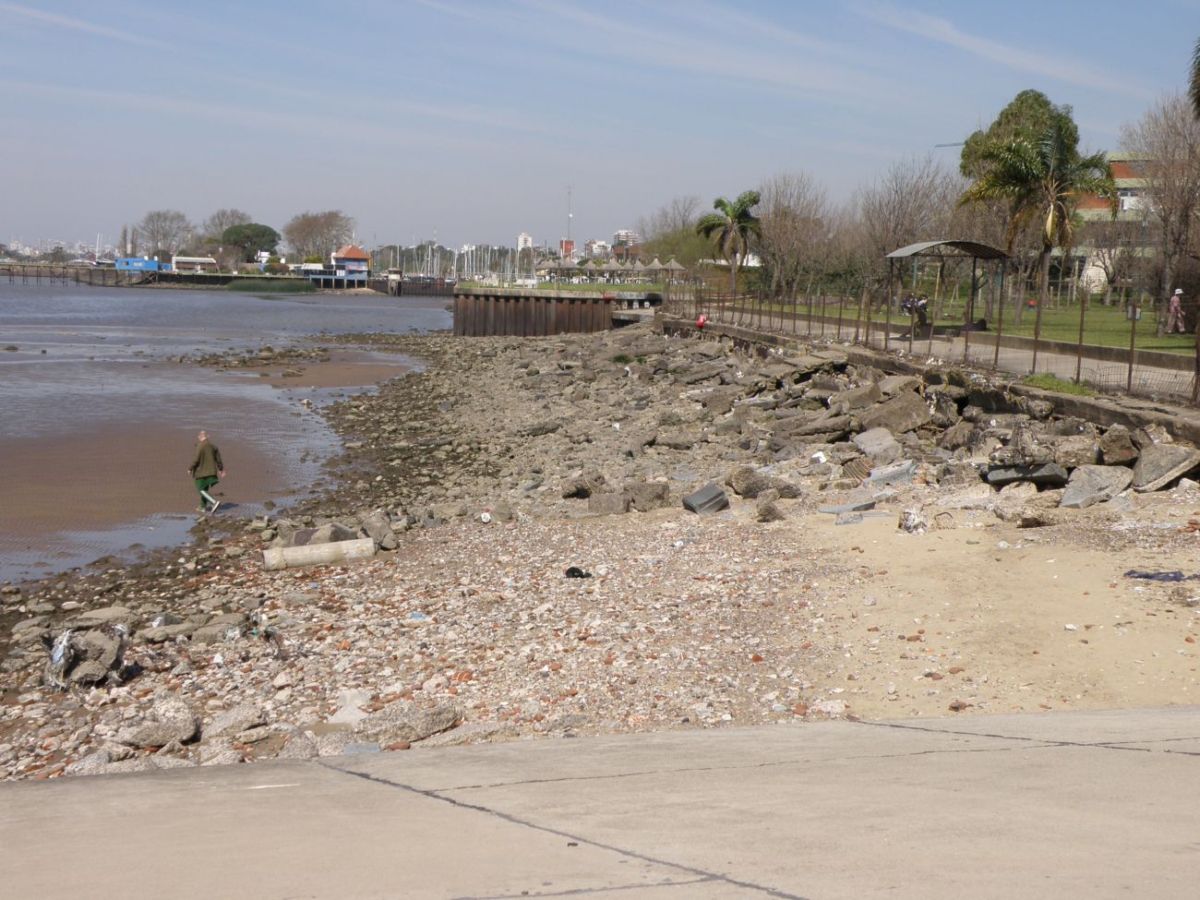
(470, 119)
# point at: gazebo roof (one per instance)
(957, 248)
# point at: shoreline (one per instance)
(469, 630)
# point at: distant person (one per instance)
(206, 469)
(922, 309)
(1175, 312)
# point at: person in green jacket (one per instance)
(206, 469)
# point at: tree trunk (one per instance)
(1043, 296)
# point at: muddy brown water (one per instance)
(98, 418)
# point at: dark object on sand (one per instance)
(1161, 576)
(709, 499)
(576, 572)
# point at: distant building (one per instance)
(566, 248)
(139, 264)
(348, 267)
(1133, 204)
(594, 249)
(194, 264)
(352, 261)
(1129, 173)
(524, 241)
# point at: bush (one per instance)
(271, 286)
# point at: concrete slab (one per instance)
(1046, 805)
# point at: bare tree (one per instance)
(214, 226)
(1167, 137)
(679, 214)
(1113, 246)
(164, 230)
(794, 234)
(914, 201)
(670, 232)
(318, 234)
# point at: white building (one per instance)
(524, 241)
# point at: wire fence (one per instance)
(1112, 349)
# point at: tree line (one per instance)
(1018, 185)
(232, 236)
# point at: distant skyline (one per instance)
(469, 120)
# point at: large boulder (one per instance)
(170, 719)
(1160, 464)
(749, 482)
(331, 533)
(609, 503)
(879, 445)
(583, 485)
(647, 495)
(1047, 475)
(1116, 446)
(902, 413)
(856, 398)
(1095, 484)
(1077, 450)
(378, 528)
(404, 721)
(236, 720)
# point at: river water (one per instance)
(98, 420)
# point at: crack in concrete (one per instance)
(694, 769)
(701, 874)
(1045, 742)
(583, 892)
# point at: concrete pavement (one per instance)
(1089, 804)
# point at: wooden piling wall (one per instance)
(530, 314)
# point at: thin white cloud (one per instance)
(266, 119)
(943, 31)
(73, 24)
(672, 46)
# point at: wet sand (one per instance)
(67, 499)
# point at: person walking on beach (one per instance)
(1175, 312)
(206, 469)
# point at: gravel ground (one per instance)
(503, 463)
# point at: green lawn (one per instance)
(1104, 326)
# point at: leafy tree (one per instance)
(165, 230)
(733, 225)
(251, 238)
(223, 219)
(1043, 181)
(58, 255)
(318, 234)
(1025, 117)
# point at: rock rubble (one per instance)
(480, 479)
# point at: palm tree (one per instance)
(1043, 180)
(733, 224)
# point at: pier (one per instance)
(65, 273)
(528, 312)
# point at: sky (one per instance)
(471, 121)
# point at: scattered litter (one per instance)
(62, 655)
(912, 522)
(1161, 576)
